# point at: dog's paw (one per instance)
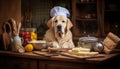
(55, 45)
(68, 45)
(65, 45)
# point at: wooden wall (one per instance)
(9, 9)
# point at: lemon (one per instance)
(33, 36)
(28, 47)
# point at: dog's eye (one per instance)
(56, 21)
(63, 21)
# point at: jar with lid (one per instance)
(87, 42)
(28, 34)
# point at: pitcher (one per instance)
(17, 41)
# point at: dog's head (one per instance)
(60, 24)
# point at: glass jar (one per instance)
(87, 42)
(28, 34)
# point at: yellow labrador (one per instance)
(59, 35)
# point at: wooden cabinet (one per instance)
(29, 60)
(15, 63)
(2, 63)
(95, 17)
(110, 17)
(65, 65)
(86, 17)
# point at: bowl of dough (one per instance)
(38, 44)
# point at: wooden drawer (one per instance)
(16, 63)
(65, 65)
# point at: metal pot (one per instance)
(98, 47)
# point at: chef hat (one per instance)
(58, 10)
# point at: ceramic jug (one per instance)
(17, 41)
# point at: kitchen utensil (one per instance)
(98, 47)
(16, 39)
(19, 27)
(13, 25)
(82, 57)
(47, 54)
(6, 36)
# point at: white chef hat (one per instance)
(58, 10)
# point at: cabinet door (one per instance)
(111, 17)
(86, 17)
(2, 63)
(65, 65)
(20, 64)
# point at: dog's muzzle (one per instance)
(59, 28)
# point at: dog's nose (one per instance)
(59, 28)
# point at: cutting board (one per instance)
(81, 57)
(6, 36)
(47, 54)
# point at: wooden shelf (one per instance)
(105, 18)
(86, 3)
(110, 17)
(88, 19)
(85, 18)
(112, 11)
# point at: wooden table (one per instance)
(29, 60)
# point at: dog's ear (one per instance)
(69, 24)
(50, 23)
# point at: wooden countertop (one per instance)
(31, 55)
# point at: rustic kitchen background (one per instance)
(36, 13)
(32, 13)
(101, 15)
(9, 9)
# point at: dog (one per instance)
(59, 35)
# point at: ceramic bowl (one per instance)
(38, 44)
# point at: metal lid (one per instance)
(88, 39)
